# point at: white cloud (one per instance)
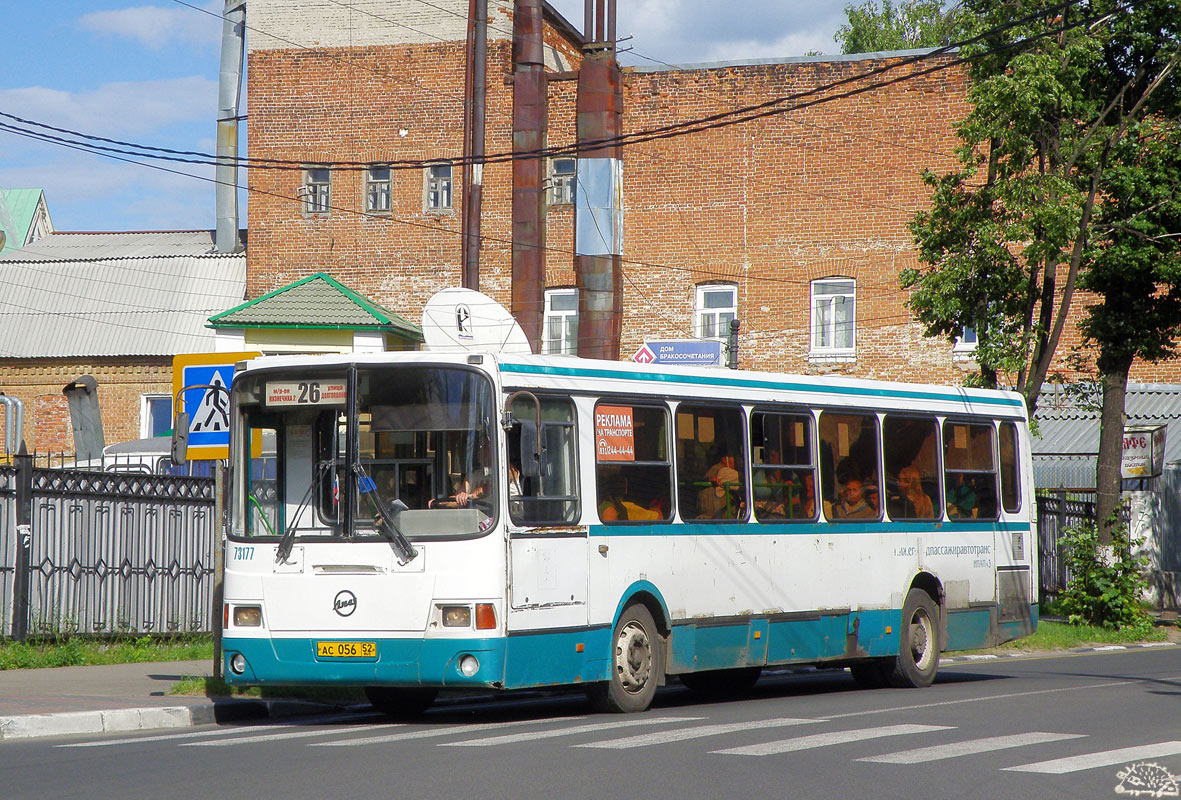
(157, 28)
(118, 108)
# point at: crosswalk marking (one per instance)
(1105, 758)
(513, 738)
(214, 732)
(681, 734)
(453, 730)
(827, 739)
(969, 747)
(272, 737)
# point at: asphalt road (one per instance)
(1070, 726)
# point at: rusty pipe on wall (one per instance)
(530, 118)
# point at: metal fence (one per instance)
(106, 553)
(1056, 513)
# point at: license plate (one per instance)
(346, 649)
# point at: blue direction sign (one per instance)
(697, 352)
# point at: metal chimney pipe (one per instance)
(473, 172)
(530, 118)
(598, 210)
(229, 85)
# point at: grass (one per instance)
(216, 687)
(77, 651)
(1064, 636)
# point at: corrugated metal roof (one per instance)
(316, 301)
(148, 294)
(1067, 444)
(104, 246)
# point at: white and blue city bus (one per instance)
(473, 520)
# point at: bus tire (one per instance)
(637, 665)
(918, 645)
(872, 674)
(400, 702)
(717, 684)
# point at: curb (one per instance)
(124, 720)
(1102, 648)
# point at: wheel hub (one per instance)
(633, 657)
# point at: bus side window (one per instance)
(711, 461)
(849, 442)
(1010, 486)
(969, 470)
(552, 497)
(783, 477)
(633, 471)
(910, 451)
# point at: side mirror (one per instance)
(180, 438)
(530, 461)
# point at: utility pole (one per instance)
(598, 211)
(473, 138)
(530, 118)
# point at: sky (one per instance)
(147, 73)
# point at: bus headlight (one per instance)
(237, 663)
(457, 616)
(469, 665)
(247, 616)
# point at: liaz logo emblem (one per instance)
(345, 603)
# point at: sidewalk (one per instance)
(64, 701)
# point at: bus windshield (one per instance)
(358, 446)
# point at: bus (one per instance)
(439, 521)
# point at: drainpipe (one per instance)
(473, 172)
(14, 422)
(228, 95)
(598, 209)
(529, 125)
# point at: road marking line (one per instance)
(829, 739)
(1106, 758)
(229, 731)
(921, 755)
(681, 734)
(513, 738)
(273, 737)
(454, 730)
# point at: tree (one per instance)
(1061, 112)
(912, 24)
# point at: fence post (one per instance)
(24, 544)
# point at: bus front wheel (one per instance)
(918, 647)
(637, 664)
(401, 702)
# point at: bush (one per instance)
(1105, 584)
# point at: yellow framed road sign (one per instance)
(208, 401)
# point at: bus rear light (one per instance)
(225, 616)
(457, 616)
(485, 616)
(247, 616)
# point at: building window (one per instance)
(833, 316)
(560, 325)
(438, 187)
(716, 307)
(317, 190)
(155, 415)
(966, 341)
(562, 172)
(377, 189)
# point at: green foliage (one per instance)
(909, 25)
(1064, 636)
(1105, 583)
(71, 651)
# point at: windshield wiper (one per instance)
(288, 539)
(386, 519)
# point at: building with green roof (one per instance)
(24, 218)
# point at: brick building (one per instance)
(796, 223)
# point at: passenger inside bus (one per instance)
(913, 502)
(719, 500)
(615, 505)
(853, 503)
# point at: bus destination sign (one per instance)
(306, 393)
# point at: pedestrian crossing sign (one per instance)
(200, 388)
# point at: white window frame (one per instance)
(379, 190)
(145, 413)
(965, 344)
(819, 301)
(316, 194)
(562, 185)
(438, 194)
(559, 317)
(717, 317)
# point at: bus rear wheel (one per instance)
(400, 702)
(637, 665)
(918, 647)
